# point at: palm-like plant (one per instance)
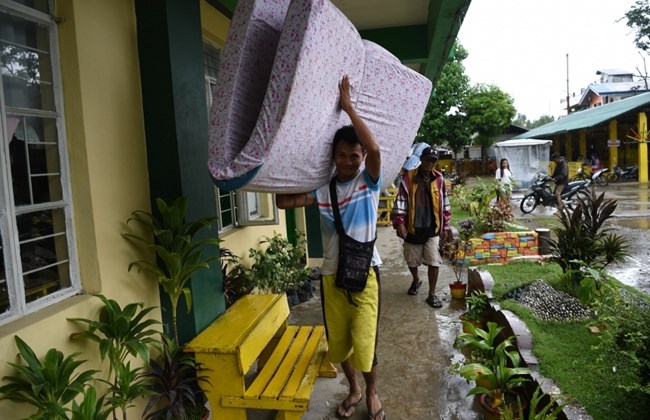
(121, 333)
(584, 235)
(178, 251)
(501, 377)
(49, 385)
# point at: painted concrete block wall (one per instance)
(499, 247)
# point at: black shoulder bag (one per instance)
(354, 256)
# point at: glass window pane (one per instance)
(253, 204)
(211, 57)
(35, 164)
(44, 252)
(40, 5)
(26, 65)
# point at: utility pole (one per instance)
(568, 105)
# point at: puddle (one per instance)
(635, 271)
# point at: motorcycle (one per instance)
(628, 173)
(596, 177)
(541, 193)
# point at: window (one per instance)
(35, 216)
(236, 208)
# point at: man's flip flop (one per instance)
(347, 406)
(376, 415)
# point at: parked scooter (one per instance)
(541, 193)
(628, 173)
(596, 177)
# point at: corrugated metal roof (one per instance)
(588, 118)
(617, 87)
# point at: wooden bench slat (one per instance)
(226, 333)
(309, 378)
(266, 374)
(283, 372)
(307, 358)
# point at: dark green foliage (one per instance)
(179, 251)
(624, 319)
(280, 266)
(175, 385)
(638, 18)
(584, 238)
(440, 124)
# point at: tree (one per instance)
(521, 121)
(489, 112)
(638, 19)
(444, 121)
(543, 120)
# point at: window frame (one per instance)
(10, 243)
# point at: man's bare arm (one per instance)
(292, 201)
(367, 140)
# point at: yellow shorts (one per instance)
(351, 330)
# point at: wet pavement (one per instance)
(414, 350)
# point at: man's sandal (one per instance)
(415, 288)
(433, 301)
(378, 415)
(346, 407)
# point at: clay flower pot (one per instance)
(458, 290)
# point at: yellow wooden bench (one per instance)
(384, 209)
(254, 332)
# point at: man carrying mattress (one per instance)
(350, 285)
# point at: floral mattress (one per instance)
(275, 107)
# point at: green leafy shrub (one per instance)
(477, 201)
(278, 267)
(49, 385)
(623, 320)
(584, 239)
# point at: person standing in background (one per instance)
(421, 217)
(560, 177)
(504, 176)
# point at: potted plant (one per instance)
(477, 304)
(175, 385)
(177, 248)
(455, 251)
(480, 343)
(502, 376)
(265, 275)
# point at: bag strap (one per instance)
(334, 200)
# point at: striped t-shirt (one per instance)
(358, 202)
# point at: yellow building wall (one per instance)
(107, 159)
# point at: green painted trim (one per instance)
(170, 50)
(290, 217)
(408, 43)
(225, 7)
(445, 19)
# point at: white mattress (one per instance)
(275, 107)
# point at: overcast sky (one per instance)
(522, 45)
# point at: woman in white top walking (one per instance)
(504, 175)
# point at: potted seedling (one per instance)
(477, 305)
(497, 379)
(455, 251)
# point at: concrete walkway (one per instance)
(414, 350)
